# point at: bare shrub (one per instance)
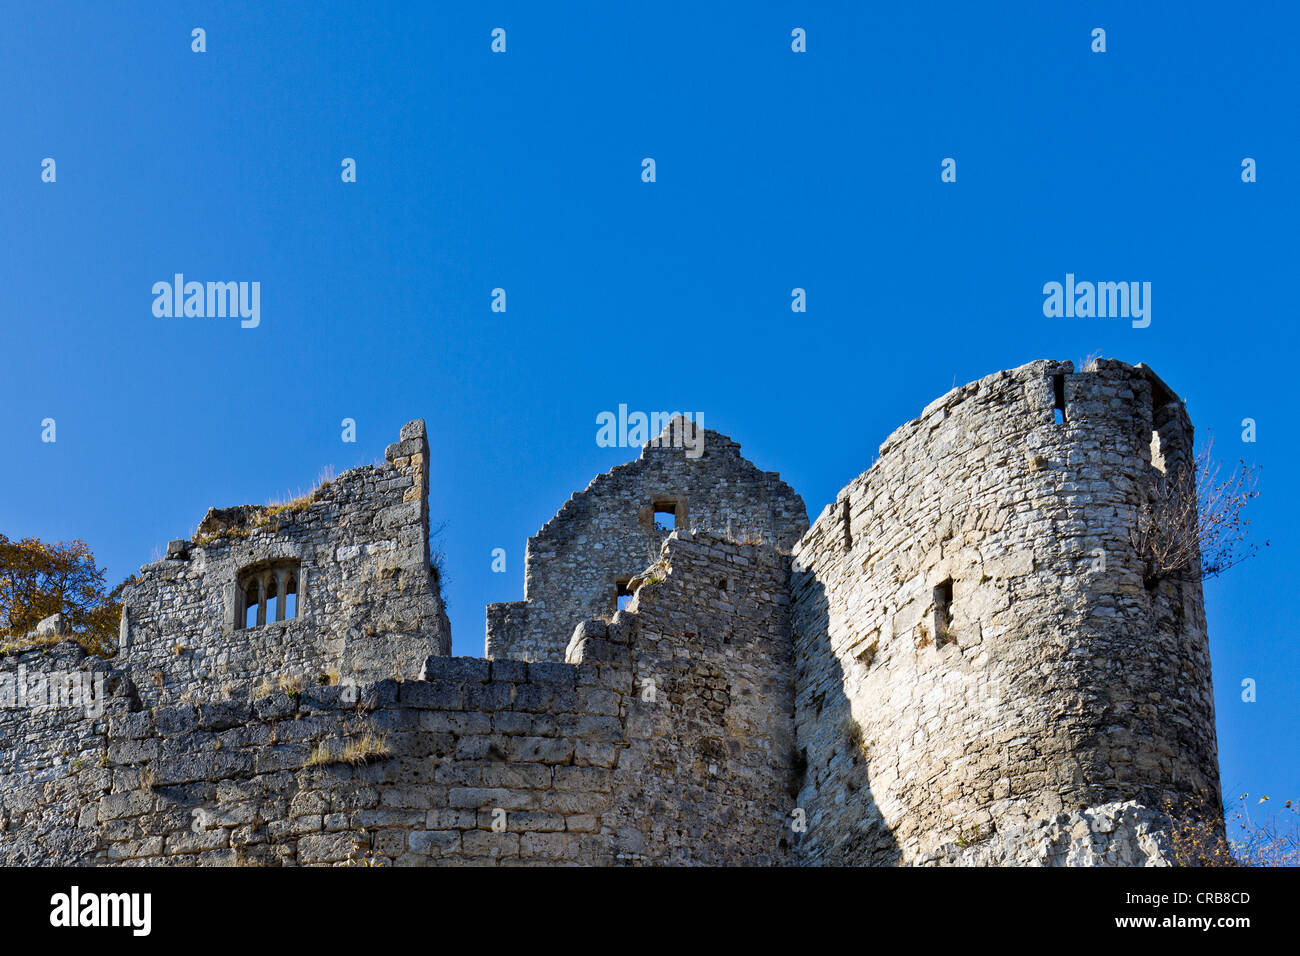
(1194, 517)
(1199, 838)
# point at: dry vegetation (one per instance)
(1198, 838)
(1194, 518)
(355, 751)
(269, 515)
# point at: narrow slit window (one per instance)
(846, 521)
(943, 612)
(1058, 391)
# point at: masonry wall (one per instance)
(583, 767)
(369, 605)
(707, 773)
(607, 533)
(1061, 680)
(967, 660)
(53, 767)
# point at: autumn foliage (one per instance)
(39, 579)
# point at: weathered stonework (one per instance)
(368, 600)
(607, 533)
(960, 663)
(51, 758)
(478, 762)
(973, 612)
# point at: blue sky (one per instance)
(775, 170)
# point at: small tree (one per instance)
(39, 579)
(1195, 517)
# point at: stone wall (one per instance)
(53, 751)
(707, 773)
(369, 604)
(976, 645)
(606, 534)
(476, 762)
(966, 660)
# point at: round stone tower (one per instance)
(981, 641)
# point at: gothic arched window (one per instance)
(268, 591)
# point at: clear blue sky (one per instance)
(523, 171)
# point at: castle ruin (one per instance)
(961, 661)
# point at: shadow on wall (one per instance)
(831, 777)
